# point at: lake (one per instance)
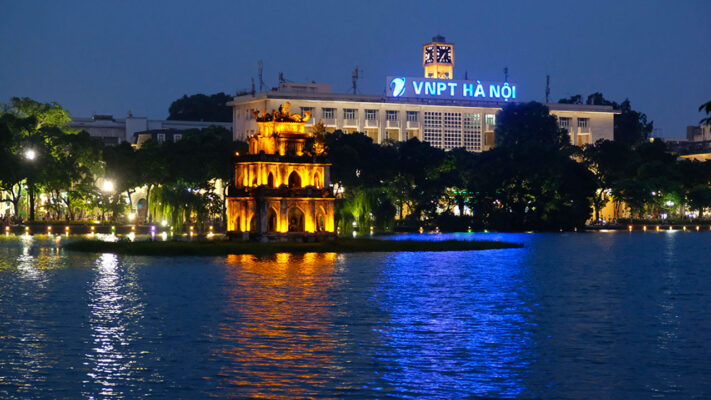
(572, 315)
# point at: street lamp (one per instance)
(30, 155)
(108, 186)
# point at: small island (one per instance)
(218, 248)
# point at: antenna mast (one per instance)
(506, 74)
(260, 69)
(252, 86)
(355, 80)
(548, 87)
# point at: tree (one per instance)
(530, 181)
(631, 127)
(610, 162)
(706, 107)
(529, 123)
(200, 107)
(42, 126)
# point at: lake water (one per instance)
(571, 315)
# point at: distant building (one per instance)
(117, 130)
(436, 109)
(696, 145)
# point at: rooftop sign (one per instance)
(423, 88)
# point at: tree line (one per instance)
(533, 179)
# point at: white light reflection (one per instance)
(107, 361)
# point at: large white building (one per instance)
(436, 109)
(117, 130)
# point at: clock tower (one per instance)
(438, 58)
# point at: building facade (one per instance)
(445, 113)
(118, 130)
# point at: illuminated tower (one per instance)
(280, 191)
(438, 58)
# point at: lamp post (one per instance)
(30, 156)
(108, 188)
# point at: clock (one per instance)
(429, 55)
(444, 54)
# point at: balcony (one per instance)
(392, 124)
(350, 123)
(371, 123)
(329, 122)
(583, 130)
(413, 125)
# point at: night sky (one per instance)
(96, 57)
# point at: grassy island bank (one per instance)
(217, 248)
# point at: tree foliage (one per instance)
(200, 107)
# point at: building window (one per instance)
(160, 137)
(433, 128)
(471, 131)
(490, 119)
(371, 115)
(329, 113)
(564, 122)
(248, 114)
(349, 113)
(583, 122)
(177, 137)
(411, 116)
(304, 110)
(391, 115)
(452, 137)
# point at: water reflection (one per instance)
(278, 342)
(114, 312)
(454, 327)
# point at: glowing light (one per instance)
(30, 154)
(164, 236)
(132, 236)
(164, 223)
(422, 230)
(108, 186)
(657, 228)
(131, 216)
(644, 228)
(697, 228)
(354, 233)
(630, 228)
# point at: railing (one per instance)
(392, 124)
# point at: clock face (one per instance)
(444, 54)
(429, 54)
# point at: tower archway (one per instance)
(294, 180)
(272, 220)
(295, 217)
(270, 180)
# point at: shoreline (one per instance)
(219, 248)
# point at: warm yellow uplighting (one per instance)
(422, 229)
(697, 228)
(131, 216)
(644, 228)
(630, 228)
(657, 228)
